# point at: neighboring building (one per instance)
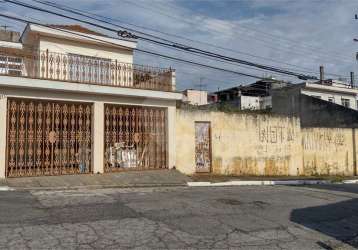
(212, 98)
(9, 36)
(195, 97)
(72, 102)
(312, 110)
(334, 91)
(254, 96)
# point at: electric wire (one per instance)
(90, 15)
(180, 46)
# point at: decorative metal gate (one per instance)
(135, 138)
(48, 138)
(202, 147)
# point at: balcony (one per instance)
(85, 69)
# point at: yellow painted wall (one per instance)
(327, 151)
(242, 144)
(250, 144)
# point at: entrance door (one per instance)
(48, 138)
(202, 147)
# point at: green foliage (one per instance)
(220, 107)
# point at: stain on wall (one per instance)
(259, 144)
(327, 151)
(242, 144)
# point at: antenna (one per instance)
(201, 85)
(5, 27)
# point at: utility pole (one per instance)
(356, 18)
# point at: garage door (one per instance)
(135, 138)
(48, 138)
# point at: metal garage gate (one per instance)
(135, 138)
(48, 138)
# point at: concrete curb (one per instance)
(350, 181)
(190, 184)
(6, 188)
(94, 187)
(261, 183)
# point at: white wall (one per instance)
(66, 46)
(196, 97)
(250, 102)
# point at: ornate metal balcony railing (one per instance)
(85, 69)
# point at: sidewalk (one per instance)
(158, 178)
(150, 178)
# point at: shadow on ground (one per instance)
(348, 188)
(338, 220)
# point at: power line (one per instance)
(253, 86)
(315, 50)
(173, 44)
(216, 60)
(177, 59)
(139, 50)
(90, 15)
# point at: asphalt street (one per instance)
(261, 217)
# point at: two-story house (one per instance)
(72, 102)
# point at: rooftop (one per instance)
(77, 28)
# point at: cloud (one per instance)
(300, 35)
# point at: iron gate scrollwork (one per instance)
(48, 138)
(135, 138)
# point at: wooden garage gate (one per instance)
(48, 138)
(135, 138)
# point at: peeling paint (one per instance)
(247, 144)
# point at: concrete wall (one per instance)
(250, 102)
(328, 151)
(9, 36)
(196, 97)
(313, 112)
(254, 144)
(242, 144)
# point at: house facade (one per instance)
(255, 96)
(73, 102)
(195, 97)
(334, 91)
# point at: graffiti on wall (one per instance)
(321, 140)
(275, 139)
(275, 134)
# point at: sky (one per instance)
(296, 35)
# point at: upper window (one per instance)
(346, 103)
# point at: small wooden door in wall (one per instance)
(202, 147)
